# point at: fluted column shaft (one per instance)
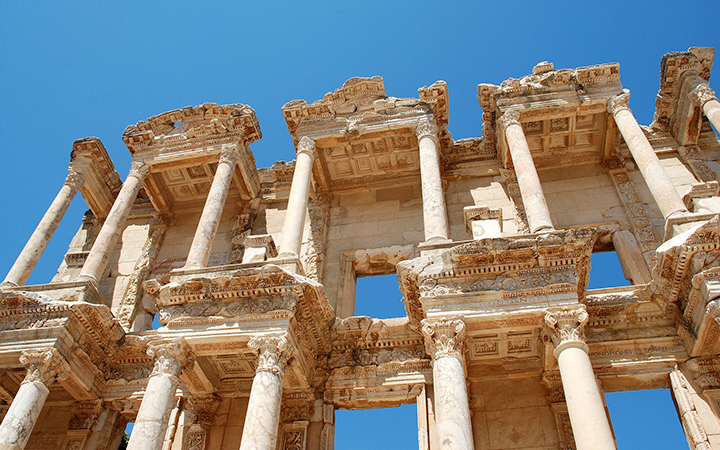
(212, 211)
(586, 409)
(444, 341)
(652, 170)
(434, 210)
(705, 98)
(35, 246)
(114, 225)
(43, 366)
(159, 398)
(263, 412)
(294, 225)
(533, 197)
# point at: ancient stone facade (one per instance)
(252, 272)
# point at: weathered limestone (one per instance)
(434, 210)
(657, 179)
(263, 412)
(292, 230)
(113, 226)
(536, 209)
(705, 98)
(214, 205)
(43, 367)
(631, 258)
(159, 399)
(590, 424)
(25, 263)
(444, 340)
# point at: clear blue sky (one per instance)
(74, 69)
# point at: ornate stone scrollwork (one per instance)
(444, 337)
(170, 357)
(566, 328)
(426, 128)
(306, 145)
(511, 117)
(701, 94)
(44, 366)
(139, 169)
(619, 102)
(273, 353)
(74, 179)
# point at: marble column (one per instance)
(35, 246)
(536, 209)
(652, 170)
(704, 97)
(434, 210)
(586, 409)
(444, 341)
(114, 225)
(212, 212)
(294, 225)
(159, 398)
(43, 366)
(263, 412)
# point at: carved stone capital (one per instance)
(74, 179)
(273, 353)
(44, 366)
(170, 357)
(203, 409)
(228, 156)
(139, 170)
(444, 337)
(426, 128)
(566, 328)
(619, 102)
(307, 146)
(701, 94)
(85, 415)
(511, 117)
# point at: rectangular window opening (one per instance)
(387, 428)
(606, 271)
(379, 297)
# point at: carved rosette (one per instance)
(701, 94)
(619, 103)
(228, 156)
(307, 146)
(511, 117)
(170, 357)
(74, 179)
(566, 328)
(426, 128)
(273, 353)
(444, 337)
(139, 170)
(44, 366)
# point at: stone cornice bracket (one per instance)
(444, 337)
(510, 117)
(139, 170)
(619, 102)
(701, 94)
(426, 128)
(229, 156)
(75, 179)
(44, 366)
(273, 353)
(170, 357)
(566, 328)
(306, 145)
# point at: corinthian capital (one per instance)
(170, 357)
(306, 145)
(273, 353)
(511, 117)
(74, 179)
(701, 94)
(566, 327)
(444, 337)
(43, 366)
(426, 128)
(619, 102)
(229, 156)
(139, 169)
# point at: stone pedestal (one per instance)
(705, 98)
(263, 412)
(35, 246)
(656, 178)
(444, 341)
(42, 368)
(434, 211)
(210, 218)
(292, 231)
(586, 409)
(114, 225)
(159, 398)
(536, 210)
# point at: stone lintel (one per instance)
(101, 182)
